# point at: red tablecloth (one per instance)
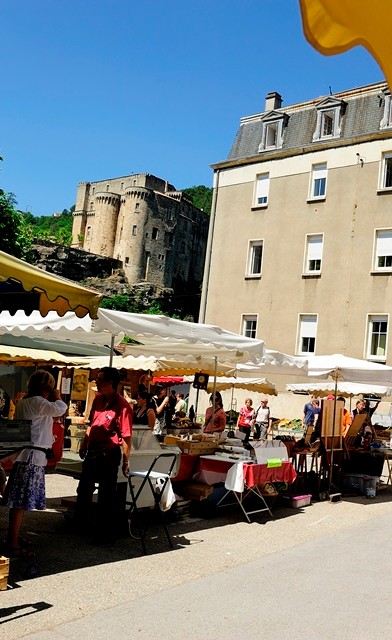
(260, 473)
(212, 469)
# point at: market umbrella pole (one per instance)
(333, 432)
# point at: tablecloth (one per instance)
(235, 474)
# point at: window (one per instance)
(154, 234)
(318, 184)
(134, 230)
(137, 206)
(255, 258)
(383, 250)
(107, 187)
(88, 233)
(386, 171)
(307, 334)
(262, 189)
(127, 260)
(387, 116)
(272, 134)
(329, 114)
(377, 337)
(249, 326)
(314, 253)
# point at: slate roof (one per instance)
(362, 116)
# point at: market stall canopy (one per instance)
(23, 286)
(274, 362)
(347, 389)
(25, 357)
(344, 369)
(169, 337)
(334, 26)
(55, 329)
(186, 365)
(258, 385)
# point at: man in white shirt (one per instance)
(262, 422)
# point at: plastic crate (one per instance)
(301, 501)
(358, 483)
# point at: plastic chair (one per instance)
(157, 481)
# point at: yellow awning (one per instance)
(28, 287)
(334, 26)
(26, 357)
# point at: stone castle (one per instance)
(155, 231)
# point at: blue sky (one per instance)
(94, 89)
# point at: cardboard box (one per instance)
(196, 491)
(198, 448)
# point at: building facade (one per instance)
(304, 202)
(141, 220)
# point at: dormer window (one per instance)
(387, 116)
(329, 114)
(272, 135)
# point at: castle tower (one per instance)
(80, 214)
(130, 237)
(101, 231)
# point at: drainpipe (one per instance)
(207, 265)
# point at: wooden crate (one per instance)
(4, 572)
(198, 448)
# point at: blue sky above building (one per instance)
(103, 88)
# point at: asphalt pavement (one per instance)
(323, 571)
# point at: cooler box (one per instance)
(361, 484)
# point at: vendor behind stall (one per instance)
(215, 417)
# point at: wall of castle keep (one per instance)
(144, 222)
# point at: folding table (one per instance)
(242, 479)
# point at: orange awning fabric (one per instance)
(334, 26)
(23, 286)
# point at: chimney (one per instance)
(273, 100)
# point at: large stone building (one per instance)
(141, 220)
(304, 204)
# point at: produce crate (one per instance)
(4, 572)
(198, 448)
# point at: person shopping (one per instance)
(25, 489)
(262, 421)
(215, 418)
(245, 420)
(106, 444)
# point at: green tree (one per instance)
(15, 236)
(201, 197)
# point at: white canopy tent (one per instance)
(257, 385)
(187, 365)
(160, 335)
(168, 337)
(344, 369)
(274, 362)
(347, 389)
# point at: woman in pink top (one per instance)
(245, 419)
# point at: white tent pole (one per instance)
(111, 351)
